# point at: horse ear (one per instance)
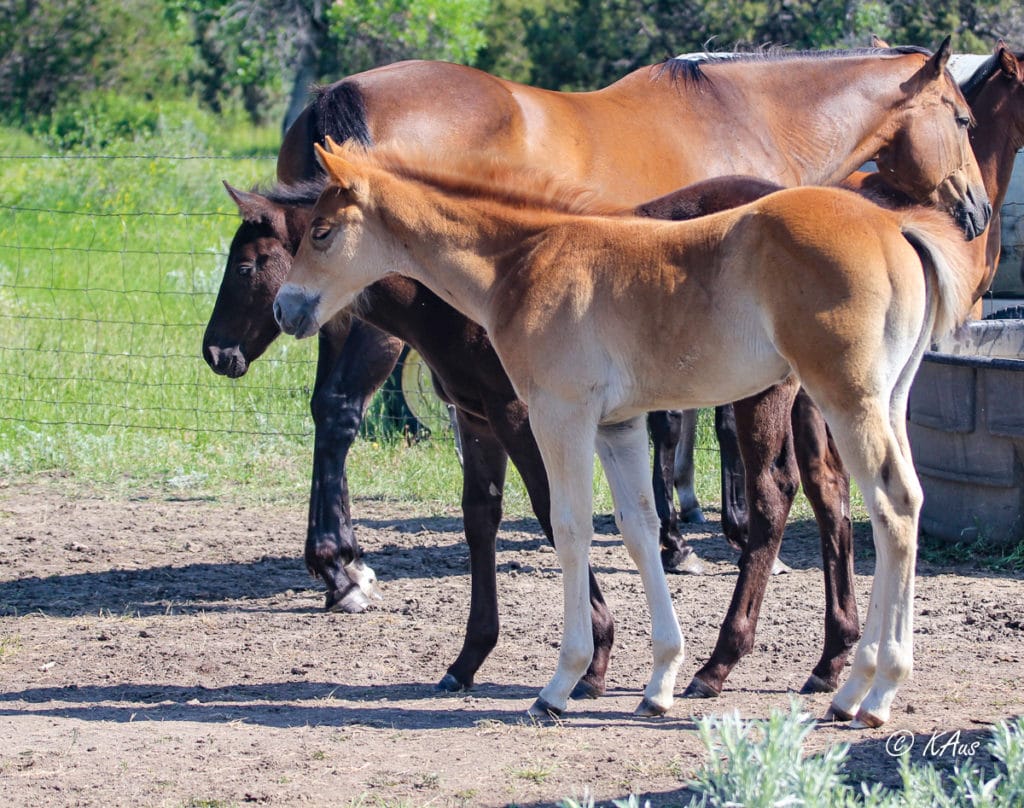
(937, 63)
(878, 42)
(1008, 62)
(254, 208)
(336, 167)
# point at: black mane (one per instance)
(689, 69)
(299, 194)
(340, 113)
(980, 76)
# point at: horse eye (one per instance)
(245, 270)
(963, 121)
(319, 231)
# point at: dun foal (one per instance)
(814, 282)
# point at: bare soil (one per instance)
(174, 653)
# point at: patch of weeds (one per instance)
(979, 552)
(535, 773)
(489, 725)
(9, 646)
(384, 779)
(319, 754)
(465, 798)
(197, 802)
(431, 780)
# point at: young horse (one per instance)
(815, 282)
(995, 93)
(239, 327)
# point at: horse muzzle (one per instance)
(295, 310)
(973, 217)
(226, 361)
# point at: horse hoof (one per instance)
(648, 709)
(837, 714)
(865, 720)
(684, 562)
(586, 690)
(780, 568)
(698, 689)
(815, 684)
(351, 601)
(449, 684)
(541, 709)
(694, 516)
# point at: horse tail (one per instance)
(339, 112)
(949, 267)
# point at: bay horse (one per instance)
(814, 283)
(995, 93)
(241, 325)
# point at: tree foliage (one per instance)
(263, 55)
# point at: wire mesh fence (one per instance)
(103, 307)
(109, 267)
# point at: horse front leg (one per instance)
(565, 434)
(354, 360)
(766, 444)
(483, 482)
(676, 554)
(510, 422)
(622, 449)
(827, 487)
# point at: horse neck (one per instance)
(824, 117)
(997, 137)
(448, 243)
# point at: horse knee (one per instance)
(337, 417)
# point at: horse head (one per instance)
(927, 154)
(242, 324)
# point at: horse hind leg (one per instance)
(884, 658)
(827, 487)
(763, 428)
(623, 451)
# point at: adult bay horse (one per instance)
(915, 120)
(814, 282)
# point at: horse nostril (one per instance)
(212, 355)
(278, 313)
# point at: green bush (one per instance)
(761, 762)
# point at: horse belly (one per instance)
(689, 375)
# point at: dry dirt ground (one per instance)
(158, 652)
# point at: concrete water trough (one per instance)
(966, 424)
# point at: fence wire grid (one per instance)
(104, 299)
